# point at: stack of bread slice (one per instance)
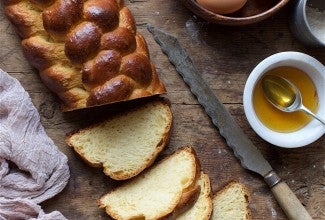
(174, 188)
(165, 190)
(203, 206)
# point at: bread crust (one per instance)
(205, 178)
(89, 53)
(160, 146)
(203, 195)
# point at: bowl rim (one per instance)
(224, 19)
(314, 128)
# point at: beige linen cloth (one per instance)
(32, 169)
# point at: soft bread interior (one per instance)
(231, 203)
(155, 193)
(124, 145)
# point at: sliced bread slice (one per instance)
(203, 206)
(127, 143)
(231, 203)
(156, 193)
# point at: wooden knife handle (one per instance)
(289, 202)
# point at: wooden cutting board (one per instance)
(225, 56)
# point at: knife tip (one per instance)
(150, 28)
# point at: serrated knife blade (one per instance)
(249, 156)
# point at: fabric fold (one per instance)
(32, 169)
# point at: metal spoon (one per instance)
(284, 95)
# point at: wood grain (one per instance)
(225, 56)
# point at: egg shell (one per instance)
(222, 6)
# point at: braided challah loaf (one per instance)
(88, 52)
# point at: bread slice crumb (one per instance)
(231, 203)
(156, 192)
(126, 144)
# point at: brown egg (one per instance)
(222, 6)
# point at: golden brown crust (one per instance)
(117, 89)
(205, 178)
(190, 198)
(61, 16)
(102, 57)
(105, 14)
(82, 42)
(120, 39)
(107, 62)
(186, 202)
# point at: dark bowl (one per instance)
(253, 12)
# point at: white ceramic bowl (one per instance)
(314, 129)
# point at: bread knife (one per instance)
(249, 156)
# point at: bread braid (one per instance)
(88, 52)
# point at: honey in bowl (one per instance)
(278, 120)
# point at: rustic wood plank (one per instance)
(225, 56)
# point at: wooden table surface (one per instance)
(225, 56)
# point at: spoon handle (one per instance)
(303, 108)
